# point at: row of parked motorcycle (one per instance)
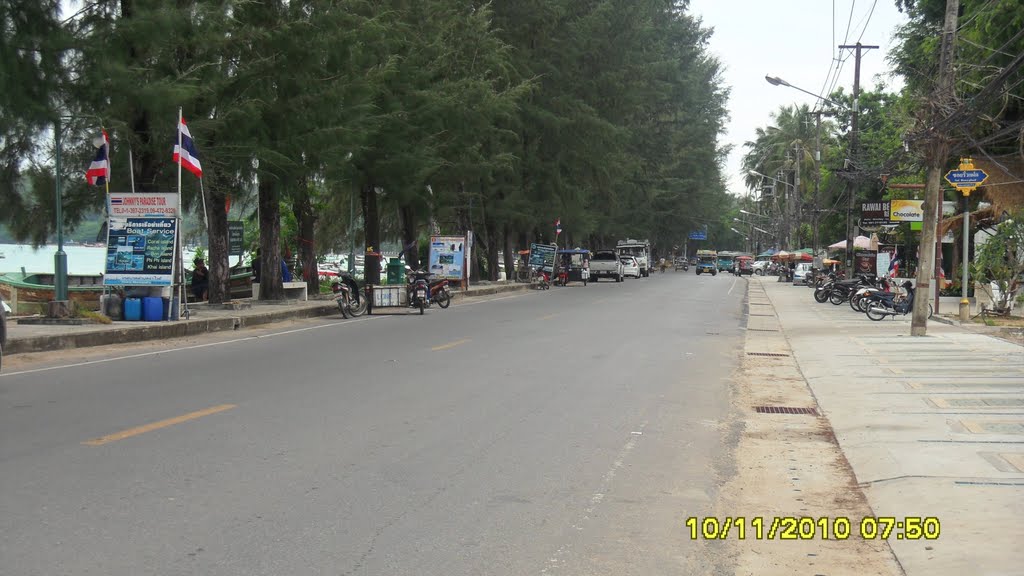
(876, 297)
(421, 293)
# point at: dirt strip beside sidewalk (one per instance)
(790, 472)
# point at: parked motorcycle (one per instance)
(540, 280)
(346, 295)
(882, 304)
(857, 301)
(419, 290)
(441, 293)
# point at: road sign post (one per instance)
(966, 178)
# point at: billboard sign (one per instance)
(875, 213)
(140, 252)
(699, 234)
(864, 261)
(447, 257)
(542, 256)
(907, 211)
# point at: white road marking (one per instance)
(597, 497)
(735, 280)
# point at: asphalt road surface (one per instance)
(562, 432)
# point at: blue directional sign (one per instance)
(699, 235)
(966, 178)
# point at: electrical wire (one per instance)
(867, 21)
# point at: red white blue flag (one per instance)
(186, 154)
(558, 227)
(98, 172)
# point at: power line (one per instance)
(868, 21)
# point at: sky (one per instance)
(795, 40)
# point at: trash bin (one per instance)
(395, 272)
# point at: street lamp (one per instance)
(753, 214)
(776, 81)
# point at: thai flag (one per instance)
(894, 265)
(116, 201)
(558, 227)
(99, 170)
(187, 155)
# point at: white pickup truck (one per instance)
(605, 264)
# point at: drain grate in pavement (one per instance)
(761, 315)
(769, 354)
(785, 410)
(761, 330)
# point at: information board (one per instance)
(140, 252)
(542, 256)
(447, 257)
(236, 237)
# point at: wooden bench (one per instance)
(292, 290)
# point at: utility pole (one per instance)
(851, 187)
(796, 193)
(936, 154)
(817, 174)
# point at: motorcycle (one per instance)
(440, 293)
(882, 304)
(857, 301)
(540, 280)
(419, 290)
(346, 295)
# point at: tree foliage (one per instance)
(428, 115)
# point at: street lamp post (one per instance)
(59, 307)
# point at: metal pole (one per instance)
(796, 192)
(352, 235)
(817, 177)
(965, 304)
(60, 259)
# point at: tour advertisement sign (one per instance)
(140, 252)
(542, 256)
(882, 262)
(142, 205)
(447, 257)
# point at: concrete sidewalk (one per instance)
(24, 338)
(932, 426)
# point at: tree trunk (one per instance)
(371, 227)
(270, 239)
(303, 209)
(491, 229)
(412, 254)
(510, 254)
(217, 238)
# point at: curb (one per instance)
(183, 328)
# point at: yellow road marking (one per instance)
(157, 425)
(549, 316)
(450, 345)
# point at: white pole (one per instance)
(182, 298)
(202, 192)
(131, 167)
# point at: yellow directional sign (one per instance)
(966, 178)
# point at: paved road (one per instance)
(564, 432)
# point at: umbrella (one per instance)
(862, 242)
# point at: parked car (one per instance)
(4, 311)
(761, 267)
(630, 267)
(800, 272)
(605, 264)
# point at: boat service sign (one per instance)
(140, 252)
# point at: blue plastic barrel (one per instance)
(132, 309)
(152, 309)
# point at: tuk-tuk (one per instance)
(573, 266)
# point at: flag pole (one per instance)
(206, 218)
(182, 297)
(131, 167)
